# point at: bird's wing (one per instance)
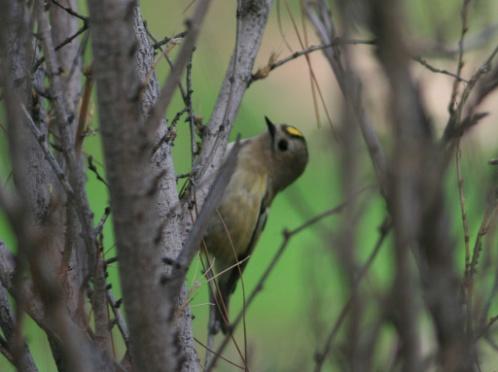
(236, 272)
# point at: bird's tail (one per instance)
(221, 301)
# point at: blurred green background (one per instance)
(301, 300)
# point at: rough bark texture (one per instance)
(134, 185)
(63, 26)
(169, 203)
(7, 324)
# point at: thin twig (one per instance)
(264, 71)
(482, 70)
(351, 90)
(191, 124)
(483, 230)
(313, 79)
(209, 350)
(94, 170)
(70, 11)
(103, 219)
(451, 131)
(168, 89)
(81, 130)
(212, 312)
(66, 41)
(158, 44)
(430, 67)
(170, 133)
(120, 321)
(165, 53)
(76, 176)
(287, 235)
(454, 92)
(461, 192)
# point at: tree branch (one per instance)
(349, 84)
(252, 16)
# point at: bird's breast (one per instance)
(231, 227)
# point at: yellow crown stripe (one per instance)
(292, 131)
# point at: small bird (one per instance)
(266, 164)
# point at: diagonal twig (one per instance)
(287, 236)
(42, 141)
(168, 89)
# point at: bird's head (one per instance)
(288, 152)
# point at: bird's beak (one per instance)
(271, 127)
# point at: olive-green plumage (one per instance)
(266, 164)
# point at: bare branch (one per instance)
(79, 200)
(251, 20)
(464, 28)
(463, 212)
(319, 16)
(168, 195)
(65, 42)
(418, 209)
(455, 120)
(430, 67)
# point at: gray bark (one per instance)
(135, 185)
(168, 197)
(7, 324)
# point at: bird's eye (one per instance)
(283, 145)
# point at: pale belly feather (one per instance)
(230, 229)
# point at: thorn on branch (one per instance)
(170, 134)
(111, 260)
(103, 219)
(93, 168)
(117, 303)
(173, 263)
